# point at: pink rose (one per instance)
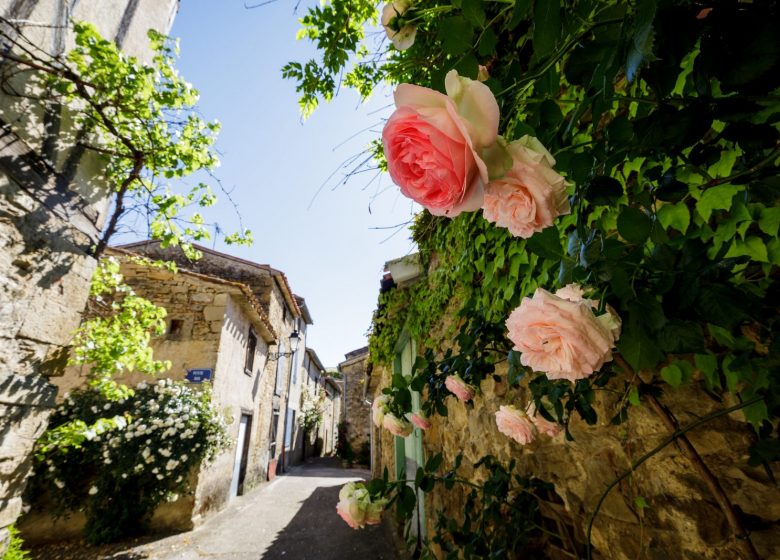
(515, 424)
(459, 388)
(397, 426)
(543, 425)
(531, 195)
(353, 504)
(402, 36)
(562, 338)
(420, 420)
(432, 141)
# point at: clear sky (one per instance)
(275, 165)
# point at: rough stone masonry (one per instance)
(52, 206)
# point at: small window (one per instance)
(175, 328)
(251, 346)
(274, 427)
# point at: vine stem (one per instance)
(696, 460)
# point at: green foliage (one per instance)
(663, 118)
(15, 544)
(162, 432)
(141, 119)
(114, 339)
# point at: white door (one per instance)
(239, 455)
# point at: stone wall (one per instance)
(52, 206)
(682, 519)
(356, 412)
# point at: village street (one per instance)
(293, 517)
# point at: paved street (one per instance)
(294, 517)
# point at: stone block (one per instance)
(202, 297)
(9, 511)
(214, 313)
(220, 299)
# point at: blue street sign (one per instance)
(198, 375)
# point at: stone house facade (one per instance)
(271, 289)
(356, 411)
(214, 325)
(53, 203)
(681, 519)
(322, 442)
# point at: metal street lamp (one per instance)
(295, 338)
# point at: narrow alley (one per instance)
(293, 517)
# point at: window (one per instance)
(175, 328)
(280, 363)
(251, 347)
(288, 432)
(274, 428)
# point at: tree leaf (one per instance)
(675, 216)
(547, 27)
(716, 198)
(456, 35)
(634, 225)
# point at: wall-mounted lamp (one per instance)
(295, 338)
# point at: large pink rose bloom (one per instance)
(562, 338)
(432, 143)
(459, 388)
(531, 195)
(515, 424)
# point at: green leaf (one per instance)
(634, 225)
(456, 35)
(675, 216)
(752, 247)
(640, 502)
(488, 42)
(681, 337)
(547, 27)
(474, 12)
(637, 347)
(717, 198)
(756, 413)
(707, 364)
(633, 397)
(721, 335)
(769, 220)
(546, 244)
(672, 374)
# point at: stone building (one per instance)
(218, 328)
(321, 443)
(356, 411)
(270, 288)
(678, 518)
(53, 203)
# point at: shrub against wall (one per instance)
(120, 475)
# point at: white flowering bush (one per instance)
(120, 474)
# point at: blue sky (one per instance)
(275, 165)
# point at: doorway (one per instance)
(242, 455)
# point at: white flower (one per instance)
(106, 406)
(58, 483)
(160, 477)
(93, 490)
(165, 452)
(170, 465)
(155, 470)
